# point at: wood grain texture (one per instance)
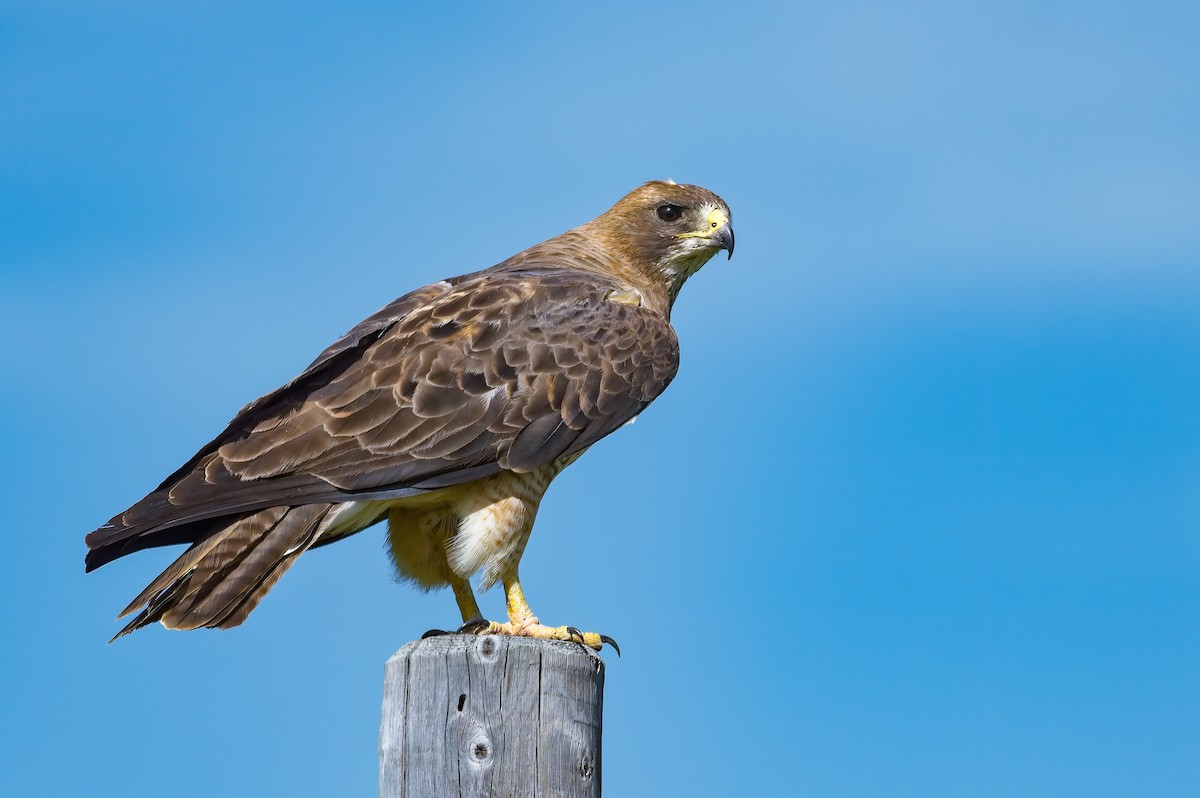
(491, 716)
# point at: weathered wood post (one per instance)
(491, 716)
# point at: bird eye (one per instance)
(669, 213)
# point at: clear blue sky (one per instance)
(918, 517)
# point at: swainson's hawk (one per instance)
(448, 413)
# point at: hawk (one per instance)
(447, 413)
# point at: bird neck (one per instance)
(583, 250)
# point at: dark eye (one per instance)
(669, 213)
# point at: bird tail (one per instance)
(223, 576)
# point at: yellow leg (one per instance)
(465, 597)
(523, 623)
(519, 613)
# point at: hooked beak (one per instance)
(717, 232)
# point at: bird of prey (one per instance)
(447, 413)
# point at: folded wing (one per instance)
(503, 369)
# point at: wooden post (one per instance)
(491, 716)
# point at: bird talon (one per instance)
(434, 633)
(576, 635)
(475, 626)
(611, 642)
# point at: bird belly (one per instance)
(494, 525)
(417, 540)
(457, 532)
(494, 521)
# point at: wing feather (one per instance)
(497, 370)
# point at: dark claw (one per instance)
(611, 642)
(575, 633)
(474, 626)
(434, 633)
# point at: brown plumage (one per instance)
(449, 411)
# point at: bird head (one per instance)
(669, 230)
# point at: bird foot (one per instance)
(531, 627)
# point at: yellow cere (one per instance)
(716, 218)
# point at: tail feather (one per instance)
(156, 606)
(254, 556)
(249, 601)
(214, 573)
(182, 566)
(219, 580)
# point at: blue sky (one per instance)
(918, 517)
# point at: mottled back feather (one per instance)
(503, 369)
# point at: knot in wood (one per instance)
(480, 716)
